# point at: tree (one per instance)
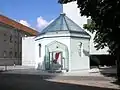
(106, 17)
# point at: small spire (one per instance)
(63, 14)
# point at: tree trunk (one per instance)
(118, 67)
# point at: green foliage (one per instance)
(90, 27)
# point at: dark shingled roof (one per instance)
(63, 23)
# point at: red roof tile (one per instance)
(10, 22)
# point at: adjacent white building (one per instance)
(73, 13)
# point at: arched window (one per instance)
(80, 49)
(39, 50)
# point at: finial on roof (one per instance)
(63, 14)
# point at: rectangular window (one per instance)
(39, 50)
(5, 34)
(10, 38)
(5, 37)
(20, 54)
(10, 54)
(20, 40)
(15, 54)
(5, 54)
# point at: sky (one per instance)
(36, 14)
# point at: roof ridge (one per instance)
(66, 24)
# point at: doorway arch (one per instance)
(53, 51)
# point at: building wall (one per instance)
(10, 45)
(73, 13)
(93, 50)
(28, 51)
(45, 41)
(79, 57)
(75, 61)
(33, 55)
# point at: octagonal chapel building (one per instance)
(62, 45)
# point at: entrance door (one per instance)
(55, 60)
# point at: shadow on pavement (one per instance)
(109, 71)
(116, 82)
(38, 82)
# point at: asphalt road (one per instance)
(39, 82)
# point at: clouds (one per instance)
(41, 22)
(24, 22)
